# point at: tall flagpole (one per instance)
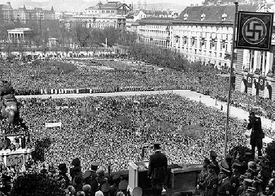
(230, 77)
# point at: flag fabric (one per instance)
(254, 30)
(249, 80)
(261, 83)
(55, 124)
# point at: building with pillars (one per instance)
(155, 31)
(204, 33)
(19, 35)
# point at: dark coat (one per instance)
(257, 133)
(211, 184)
(158, 166)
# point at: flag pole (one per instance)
(230, 77)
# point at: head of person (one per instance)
(76, 162)
(236, 167)
(94, 166)
(252, 115)
(87, 189)
(211, 168)
(206, 162)
(156, 146)
(213, 155)
(62, 168)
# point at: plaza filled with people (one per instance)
(111, 131)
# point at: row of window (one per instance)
(102, 11)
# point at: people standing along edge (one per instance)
(257, 134)
(157, 170)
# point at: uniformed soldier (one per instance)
(224, 184)
(213, 157)
(202, 176)
(211, 181)
(235, 182)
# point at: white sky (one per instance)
(185, 2)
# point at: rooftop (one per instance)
(213, 13)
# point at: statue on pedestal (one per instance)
(9, 109)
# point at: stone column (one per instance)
(269, 62)
(256, 60)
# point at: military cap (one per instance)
(212, 165)
(251, 189)
(225, 167)
(236, 165)
(248, 180)
(87, 174)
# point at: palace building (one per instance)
(204, 33)
(110, 14)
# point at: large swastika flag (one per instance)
(254, 30)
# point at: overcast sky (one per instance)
(186, 2)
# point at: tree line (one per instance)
(77, 34)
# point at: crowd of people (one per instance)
(114, 130)
(111, 131)
(31, 78)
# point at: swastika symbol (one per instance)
(254, 30)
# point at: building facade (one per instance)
(155, 31)
(6, 13)
(110, 14)
(19, 35)
(204, 33)
(24, 15)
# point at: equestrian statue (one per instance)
(9, 105)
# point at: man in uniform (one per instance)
(157, 170)
(202, 176)
(213, 156)
(90, 177)
(224, 184)
(235, 182)
(211, 181)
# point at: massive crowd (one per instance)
(120, 75)
(113, 131)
